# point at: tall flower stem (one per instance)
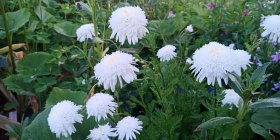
(215, 100)
(93, 12)
(240, 116)
(9, 37)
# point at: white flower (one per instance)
(271, 25)
(166, 53)
(84, 32)
(83, 82)
(127, 127)
(99, 105)
(243, 59)
(189, 28)
(62, 117)
(114, 67)
(128, 22)
(103, 132)
(231, 46)
(232, 98)
(214, 60)
(189, 61)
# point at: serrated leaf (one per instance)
(214, 122)
(260, 130)
(38, 63)
(18, 84)
(66, 28)
(57, 95)
(15, 19)
(265, 103)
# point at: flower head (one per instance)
(189, 61)
(246, 13)
(114, 67)
(103, 132)
(276, 86)
(271, 25)
(127, 127)
(101, 104)
(166, 53)
(214, 60)
(84, 32)
(276, 57)
(170, 14)
(128, 23)
(189, 28)
(232, 98)
(62, 117)
(211, 6)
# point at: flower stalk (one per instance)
(9, 39)
(240, 116)
(93, 12)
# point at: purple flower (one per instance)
(211, 6)
(170, 14)
(276, 57)
(258, 62)
(79, 6)
(180, 89)
(246, 13)
(276, 86)
(211, 90)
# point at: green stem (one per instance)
(215, 108)
(240, 116)
(9, 39)
(93, 12)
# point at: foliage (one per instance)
(166, 97)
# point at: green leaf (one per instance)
(258, 76)
(236, 83)
(43, 14)
(268, 118)
(264, 103)
(15, 19)
(18, 84)
(43, 83)
(214, 122)
(39, 63)
(57, 95)
(39, 128)
(66, 28)
(260, 130)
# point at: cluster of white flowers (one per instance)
(62, 117)
(271, 26)
(127, 128)
(232, 98)
(115, 67)
(100, 105)
(214, 60)
(166, 53)
(128, 23)
(64, 114)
